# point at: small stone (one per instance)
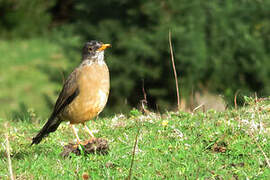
(85, 176)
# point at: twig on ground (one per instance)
(174, 70)
(8, 156)
(133, 155)
(144, 101)
(235, 99)
(198, 107)
(263, 99)
(144, 93)
(256, 97)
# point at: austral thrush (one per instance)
(84, 94)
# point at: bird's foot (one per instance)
(84, 143)
(89, 141)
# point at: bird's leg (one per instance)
(88, 130)
(75, 133)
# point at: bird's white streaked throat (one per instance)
(99, 58)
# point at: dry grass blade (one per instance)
(235, 99)
(198, 107)
(174, 71)
(8, 156)
(144, 93)
(133, 155)
(144, 101)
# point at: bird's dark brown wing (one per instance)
(69, 92)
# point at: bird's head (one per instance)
(94, 50)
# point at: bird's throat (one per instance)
(97, 58)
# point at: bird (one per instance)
(84, 93)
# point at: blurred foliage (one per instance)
(24, 18)
(25, 78)
(219, 46)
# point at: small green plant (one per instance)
(249, 100)
(135, 113)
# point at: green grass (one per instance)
(210, 145)
(26, 71)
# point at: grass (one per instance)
(174, 145)
(26, 72)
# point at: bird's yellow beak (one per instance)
(104, 46)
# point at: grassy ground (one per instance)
(210, 145)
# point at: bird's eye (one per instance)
(90, 49)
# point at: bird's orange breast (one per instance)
(94, 84)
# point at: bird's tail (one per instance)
(51, 126)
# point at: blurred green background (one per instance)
(220, 47)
